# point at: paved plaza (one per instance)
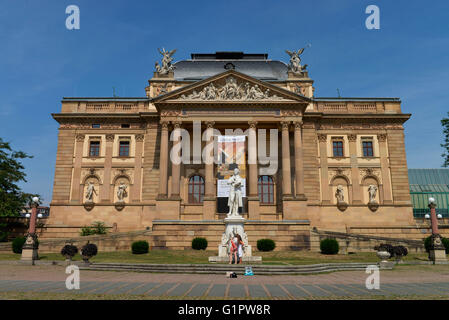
(337, 285)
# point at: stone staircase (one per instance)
(223, 268)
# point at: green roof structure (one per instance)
(426, 183)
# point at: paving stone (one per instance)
(364, 290)
(334, 290)
(237, 290)
(351, 289)
(143, 289)
(257, 291)
(275, 290)
(180, 290)
(107, 287)
(296, 291)
(218, 290)
(315, 291)
(160, 290)
(125, 288)
(392, 289)
(198, 290)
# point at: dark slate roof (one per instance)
(203, 66)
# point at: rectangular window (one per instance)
(124, 149)
(125, 126)
(95, 126)
(337, 147)
(367, 147)
(94, 149)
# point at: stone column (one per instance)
(386, 181)
(253, 196)
(137, 187)
(252, 159)
(209, 166)
(163, 160)
(210, 201)
(75, 198)
(105, 190)
(356, 188)
(325, 192)
(176, 167)
(299, 162)
(286, 175)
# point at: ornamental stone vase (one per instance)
(383, 256)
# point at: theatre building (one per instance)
(333, 164)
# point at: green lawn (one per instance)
(199, 257)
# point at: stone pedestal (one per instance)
(234, 225)
(30, 249)
(437, 252)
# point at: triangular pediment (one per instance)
(230, 86)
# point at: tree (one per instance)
(12, 199)
(445, 145)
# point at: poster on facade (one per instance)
(231, 154)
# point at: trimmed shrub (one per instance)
(17, 244)
(199, 244)
(89, 250)
(69, 251)
(329, 246)
(445, 242)
(140, 247)
(400, 251)
(266, 245)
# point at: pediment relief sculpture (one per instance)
(231, 90)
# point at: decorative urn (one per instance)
(383, 255)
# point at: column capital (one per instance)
(322, 137)
(382, 137)
(164, 124)
(252, 124)
(177, 124)
(80, 137)
(140, 137)
(297, 124)
(210, 124)
(110, 137)
(352, 137)
(285, 125)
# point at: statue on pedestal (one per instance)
(372, 190)
(121, 192)
(90, 192)
(235, 194)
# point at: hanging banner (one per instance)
(231, 154)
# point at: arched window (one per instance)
(266, 190)
(196, 189)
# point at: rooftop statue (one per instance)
(295, 61)
(167, 58)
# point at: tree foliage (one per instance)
(12, 199)
(445, 145)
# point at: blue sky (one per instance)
(41, 61)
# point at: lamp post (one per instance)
(437, 251)
(31, 246)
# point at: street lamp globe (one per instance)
(40, 215)
(439, 216)
(36, 199)
(431, 200)
(28, 215)
(427, 216)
